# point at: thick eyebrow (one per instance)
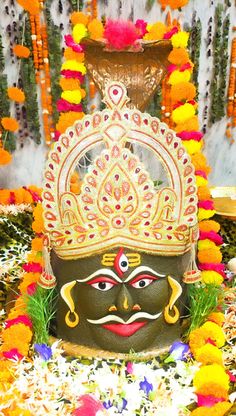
(140, 269)
(104, 272)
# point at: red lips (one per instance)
(124, 330)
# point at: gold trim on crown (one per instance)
(118, 204)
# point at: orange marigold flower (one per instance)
(209, 225)
(38, 225)
(155, 31)
(28, 279)
(17, 336)
(35, 189)
(19, 196)
(216, 317)
(178, 56)
(16, 94)
(212, 380)
(212, 255)
(176, 4)
(35, 257)
(4, 196)
(199, 337)
(5, 157)
(190, 125)
(28, 199)
(200, 163)
(67, 120)
(37, 244)
(31, 6)
(203, 193)
(79, 17)
(19, 308)
(96, 29)
(9, 123)
(21, 51)
(71, 55)
(182, 91)
(69, 84)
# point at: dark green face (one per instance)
(119, 298)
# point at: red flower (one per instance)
(120, 34)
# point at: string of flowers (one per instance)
(24, 195)
(173, 4)
(231, 105)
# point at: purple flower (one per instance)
(44, 351)
(122, 405)
(178, 351)
(107, 404)
(145, 386)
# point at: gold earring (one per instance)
(73, 323)
(169, 318)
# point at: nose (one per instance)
(124, 301)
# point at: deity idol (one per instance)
(122, 249)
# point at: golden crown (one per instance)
(119, 204)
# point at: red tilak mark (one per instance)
(117, 263)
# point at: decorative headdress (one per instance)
(118, 204)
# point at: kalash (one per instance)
(122, 250)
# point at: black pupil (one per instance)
(142, 283)
(102, 285)
(124, 263)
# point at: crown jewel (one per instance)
(118, 204)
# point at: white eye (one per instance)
(103, 286)
(123, 263)
(140, 284)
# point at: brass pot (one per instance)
(141, 71)
(224, 198)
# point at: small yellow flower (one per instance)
(73, 96)
(212, 380)
(183, 113)
(201, 181)
(73, 65)
(179, 76)
(204, 214)
(211, 277)
(205, 244)
(79, 32)
(192, 146)
(180, 40)
(209, 354)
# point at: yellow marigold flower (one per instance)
(73, 96)
(204, 214)
(212, 380)
(96, 29)
(74, 66)
(72, 55)
(205, 244)
(179, 76)
(201, 182)
(180, 40)
(209, 354)
(35, 257)
(217, 317)
(219, 409)
(155, 31)
(17, 336)
(183, 113)
(192, 146)
(79, 32)
(211, 277)
(200, 336)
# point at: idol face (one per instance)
(119, 298)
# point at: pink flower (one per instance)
(21, 319)
(208, 401)
(68, 73)
(185, 66)
(211, 235)
(32, 267)
(120, 34)
(206, 204)
(13, 354)
(141, 27)
(56, 135)
(31, 289)
(69, 41)
(201, 173)
(232, 378)
(171, 68)
(168, 35)
(190, 135)
(130, 367)
(88, 406)
(63, 105)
